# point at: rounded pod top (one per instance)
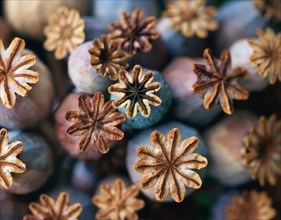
(29, 19)
(224, 142)
(241, 51)
(38, 101)
(144, 139)
(155, 96)
(82, 74)
(69, 142)
(187, 106)
(37, 157)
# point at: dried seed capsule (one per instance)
(38, 11)
(69, 142)
(37, 102)
(81, 72)
(262, 150)
(160, 170)
(143, 95)
(225, 142)
(38, 159)
(251, 205)
(64, 31)
(240, 53)
(187, 106)
(95, 123)
(120, 203)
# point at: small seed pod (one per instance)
(237, 20)
(82, 74)
(37, 103)
(16, 12)
(110, 10)
(69, 142)
(187, 105)
(151, 86)
(121, 202)
(240, 53)
(225, 142)
(37, 157)
(77, 196)
(144, 138)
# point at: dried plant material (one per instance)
(168, 164)
(9, 163)
(136, 92)
(191, 17)
(217, 82)
(47, 208)
(267, 54)
(262, 152)
(251, 205)
(270, 8)
(64, 32)
(95, 122)
(118, 202)
(134, 32)
(15, 76)
(107, 57)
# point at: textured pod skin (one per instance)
(77, 196)
(187, 105)
(237, 20)
(224, 144)
(178, 45)
(110, 10)
(143, 139)
(37, 13)
(82, 74)
(69, 142)
(11, 207)
(157, 112)
(37, 103)
(38, 159)
(240, 53)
